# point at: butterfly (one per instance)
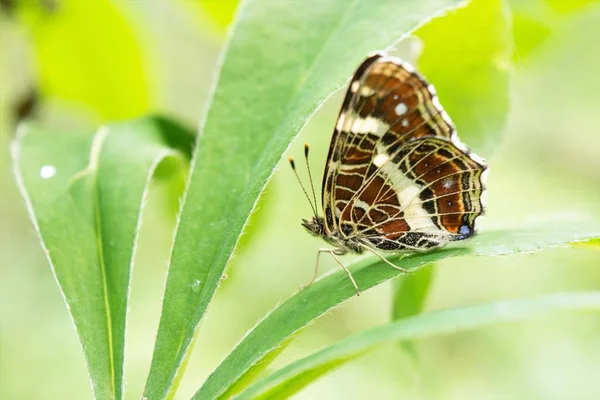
(397, 177)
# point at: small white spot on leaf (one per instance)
(196, 286)
(47, 171)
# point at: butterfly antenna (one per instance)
(293, 165)
(312, 185)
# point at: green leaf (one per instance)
(88, 54)
(85, 193)
(295, 376)
(255, 351)
(536, 21)
(221, 12)
(409, 298)
(571, 6)
(412, 292)
(529, 34)
(281, 62)
(467, 56)
(594, 243)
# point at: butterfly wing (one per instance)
(397, 176)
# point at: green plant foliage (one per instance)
(268, 338)
(470, 69)
(570, 6)
(529, 34)
(263, 96)
(85, 194)
(100, 66)
(299, 374)
(221, 12)
(410, 296)
(534, 22)
(411, 293)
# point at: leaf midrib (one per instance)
(101, 260)
(97, 144)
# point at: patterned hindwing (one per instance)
(381, 183)
(428, 193)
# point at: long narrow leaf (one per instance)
(85, 194)
(299, 374)
(255, 351)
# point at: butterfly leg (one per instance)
(314, 277)
(391, 264)
(332, 252)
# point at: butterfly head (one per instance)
(314, 226)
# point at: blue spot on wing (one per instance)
(464, 232)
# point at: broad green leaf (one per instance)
(221, 12)
(529, 33)
(410, 296)
(295, 376)
(85, 193)
(87, 54)
(467, 56)
(570, 6)
(255, 351)
(535, 21)
(283, 59)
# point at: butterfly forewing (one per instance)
(397, 177)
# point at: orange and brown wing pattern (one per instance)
(426, 195)
(397, 176)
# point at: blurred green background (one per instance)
(87, 62)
